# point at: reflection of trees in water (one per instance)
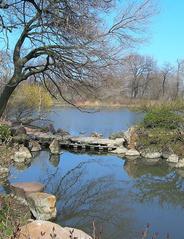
(162, 184)
(82, 199)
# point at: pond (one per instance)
(120, 196)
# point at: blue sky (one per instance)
(166, 33)
(166, 43)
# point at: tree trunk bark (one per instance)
(4, 97)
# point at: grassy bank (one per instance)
(135, 104)
(162, 130)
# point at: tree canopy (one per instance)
(66, 41)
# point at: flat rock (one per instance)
(132, 152)
(98, 141)
(42, 205)
(152, 155)
(34, 229)
(173, 158)
(23, 189)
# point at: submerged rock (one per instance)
(42, 205)
(23, 155)
(22, 189)
(50, 230)
(54, 147)
(54, 159)
(173, 158)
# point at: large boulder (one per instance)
(42, 205)
(34, 146)
(23, 155)
(48, 230)
(131, 138)
(173, 158)
(23, 189)
(54, 147)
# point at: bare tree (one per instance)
(180, 64)
(165, 72)
(139, 71)
(63, 41)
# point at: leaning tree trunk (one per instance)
(5, 95)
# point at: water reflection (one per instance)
(54, 159)
(157, 183)
(104, 199)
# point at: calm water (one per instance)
(121, 197)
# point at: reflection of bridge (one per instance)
(86, 147)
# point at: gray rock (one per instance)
(42, 205)
(116, 135)
(18, 130)
(180, 163)
(23, 155)
(34, 146)
(151, 155)
(119, 142)
(173, 158)
(54, 147)
(96, 135)
(4, 172)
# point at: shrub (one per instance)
(30, 101)
(5, 132)
(163, 118)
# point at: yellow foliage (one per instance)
(32, 96)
